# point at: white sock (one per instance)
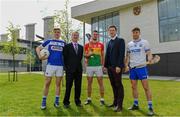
(44, 97)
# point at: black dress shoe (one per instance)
(66, 106)
(117, 109)
(112, 105)
(78, 105)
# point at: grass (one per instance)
(23, 98)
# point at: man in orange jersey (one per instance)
(94, 53)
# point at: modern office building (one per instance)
(159, 21)
(25, 45)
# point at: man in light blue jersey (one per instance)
(137, 50)
(54, 65)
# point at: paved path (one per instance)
(124, 76)
(150, 77)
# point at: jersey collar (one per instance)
(136, 40)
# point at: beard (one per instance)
(94, 39)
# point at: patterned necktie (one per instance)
(111, 43)
(76, 48)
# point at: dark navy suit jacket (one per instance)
(115, 53)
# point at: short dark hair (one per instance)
(112, 26)
(95, 31)
(136, 29)
(56, 29)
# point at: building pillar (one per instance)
(30, 31)
(48, 27)
(48, 34)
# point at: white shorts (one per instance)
(94, 70)
(52, 70)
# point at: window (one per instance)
(1, 63)
(116, 19)
(169, 18)
(172, 9)
(9, 63)
(101, 24)
(109, 20)
(178, 7)
(162, 9)
(95, 23)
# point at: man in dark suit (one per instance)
(73, 53)
(114, 63)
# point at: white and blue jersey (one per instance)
(55, 48)
(137, 52)
(137, 55)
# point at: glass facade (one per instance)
(169, 20)
(9, 63)
(101, 24)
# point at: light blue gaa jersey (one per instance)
(55, 48)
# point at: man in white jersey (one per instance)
(137, 50)
(54, 65)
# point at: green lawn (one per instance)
(23, 98)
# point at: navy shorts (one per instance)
(138, 73)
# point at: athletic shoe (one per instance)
(43, 106)
(150, 112)
(133, 107)
(102, 102)
(56, 104)
(88, 101)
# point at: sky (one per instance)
(22, 12)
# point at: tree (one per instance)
(64, 21)
(30, 59)
(11, 46)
